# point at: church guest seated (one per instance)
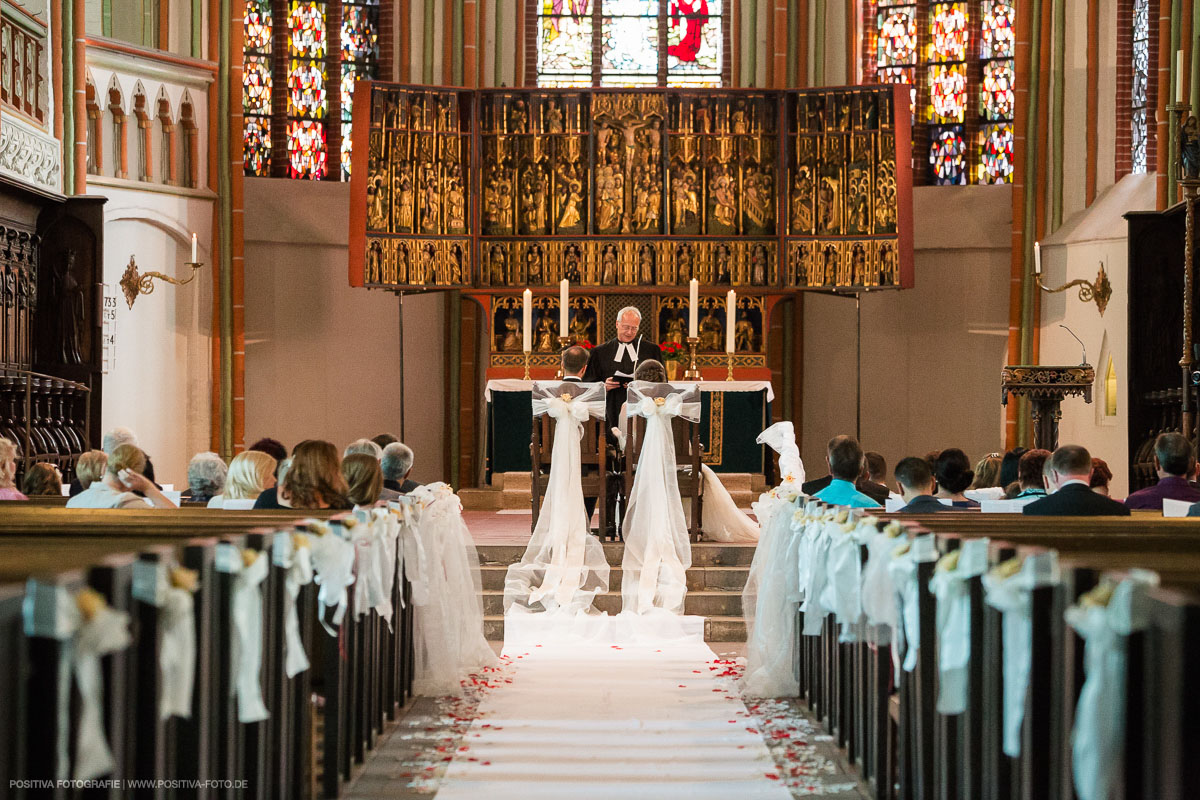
(873, 481)
(90, 467)
(384, 439)
(369, 447)
(8, 471)
(915, 482)
(1101, 475)
(269, 498)
(1031, 478)
(574, 363)
(1068, 474)
(123, 476)
(396, 464)
(1008, 466)
(250, 473)
(364, 479)
(314, 479)
(844, 457)
(986, 485)
(275, 449)
(1174, 461)
(117, 437)
(42, 479)
(953, 474)
(651, 371)
(206, 475)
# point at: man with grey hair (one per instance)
(397, 463)
(117, 437)
(206, 477)
(367, 447)
(614, 362)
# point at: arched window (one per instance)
(93, 130)
(120, 149)
(305, 131)
(638, 43)
(166, 143)
(1137, 90)
(959, 59)
(189, 146)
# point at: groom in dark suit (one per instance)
(614, 361)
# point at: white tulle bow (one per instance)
(412, 558)
(297, 561)
(177, 653)
(949, 586)
(246, 653)
(562, 409)
(781, 437)
(333, 570)
(106, 632)
(1012, 597)
(671, 406)
(1098, 738)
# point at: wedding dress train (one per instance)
(564, 566)
(657, 549)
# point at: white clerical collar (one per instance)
(626, 347)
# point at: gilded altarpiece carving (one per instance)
(625, 192)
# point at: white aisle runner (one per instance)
(583, 720)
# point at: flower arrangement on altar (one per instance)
(672, 351)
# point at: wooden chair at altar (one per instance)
(687, 459)
(593, 457)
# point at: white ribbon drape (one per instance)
(177, 653)
(657, 549)
(878, 592)
(413, 558)
(1097, 741)
(814, 552)
(949, 586)
(366, 536)
(333, 570)
(106, 632)
(903, 571)
(843, 588)
(1012, 597)
(563, 567)
(298, 566)
(246, 652)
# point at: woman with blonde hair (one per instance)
(43, 479)
(250, 473)
(314, 479)
(364, 478)
(90, 467)
(123, 476)
(8, 471)
(986, 485)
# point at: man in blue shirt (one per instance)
(845, 459)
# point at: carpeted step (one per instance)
(698, 578)
(704, 554)
(716, 629)
(700, 604)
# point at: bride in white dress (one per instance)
(564, 566)
(657, 549)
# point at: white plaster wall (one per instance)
(322, 358)
(931, 355)
(1075, 251)
(160, 382)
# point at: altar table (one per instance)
(732, 414)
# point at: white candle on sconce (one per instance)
(730, 317)
(1037, 258)
(564, 291)
(193, 248)
(527, 321)
(693, 307)
(1179, 77)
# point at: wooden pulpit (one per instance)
(1046, 387)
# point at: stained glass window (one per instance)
(311, 97)
(963, 125)
(256, 88)
(1140, 68)
(627, 35)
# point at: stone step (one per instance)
(716, 629)
(704, 554)
(700, 604)
(698, 578)
(512, 490)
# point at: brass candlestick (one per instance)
(729, 366)
(526, 375)
(134, 282)
(692, 373)
(563, 341)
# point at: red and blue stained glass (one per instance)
(997, 92)
(306, 90)
(256, 85)
(996, 153)
(997, 29)
(306, 149)
(306, 21)
(256, 88)
(948, 156)
(256, 146)
(947, 93)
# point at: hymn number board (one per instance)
(631, 190)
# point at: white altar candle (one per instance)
(193, 248)
(1179, 76)
(527, 321)
(693, 306)
(563, 291)
(730, 316)
(1037, 258)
